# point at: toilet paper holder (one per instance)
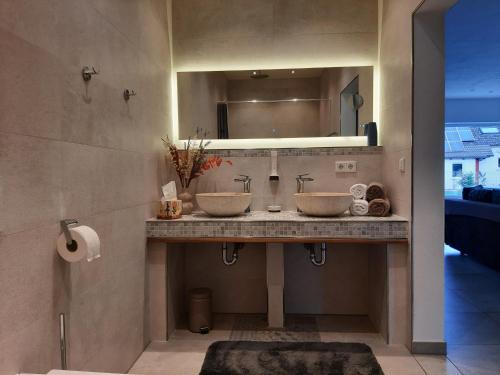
(70, 243)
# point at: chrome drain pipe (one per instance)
(234, 255)
(312, 254)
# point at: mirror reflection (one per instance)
(283, 103)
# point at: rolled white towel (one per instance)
(359, 207)
(358, 191)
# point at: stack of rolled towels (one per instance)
(369, 200)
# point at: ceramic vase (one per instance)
(187, 201)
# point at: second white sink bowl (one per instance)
(323, 204)
(224, 204)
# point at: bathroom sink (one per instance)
(224, 204)
(323, 204)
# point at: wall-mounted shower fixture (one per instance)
(234, 256)
(128, 93)
(87, 73)
(312, 254)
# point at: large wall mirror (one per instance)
(283, 103)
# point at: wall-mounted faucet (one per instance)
(246, 185)
(301, 179)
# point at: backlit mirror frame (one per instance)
(271, 143)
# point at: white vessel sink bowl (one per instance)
(224, 204)
(323, 204)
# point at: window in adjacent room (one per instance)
(457, 170)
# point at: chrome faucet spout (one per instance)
(246, 185)
(246, 182)
(301, 179)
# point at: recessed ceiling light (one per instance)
(254, 101)
(254, 73)
(295, 99)
(293, 71)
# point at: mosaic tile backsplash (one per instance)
(286, 224)
(315, 151)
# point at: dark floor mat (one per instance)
(290, 358)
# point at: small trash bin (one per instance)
(200, 310)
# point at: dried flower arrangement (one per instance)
(191, 162)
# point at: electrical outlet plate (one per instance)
(346, 166)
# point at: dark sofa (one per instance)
(472, 224)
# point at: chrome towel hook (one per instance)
(87, 73)
(128, 93)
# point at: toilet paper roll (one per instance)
(87, 241)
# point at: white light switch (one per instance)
(346, 166)
(402, 165)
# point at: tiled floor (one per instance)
(472, 332)
(184, 353)
(472, 315)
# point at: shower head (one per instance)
(257, 74)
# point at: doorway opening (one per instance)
(472, 184)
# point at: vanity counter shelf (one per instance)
(286, 226)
